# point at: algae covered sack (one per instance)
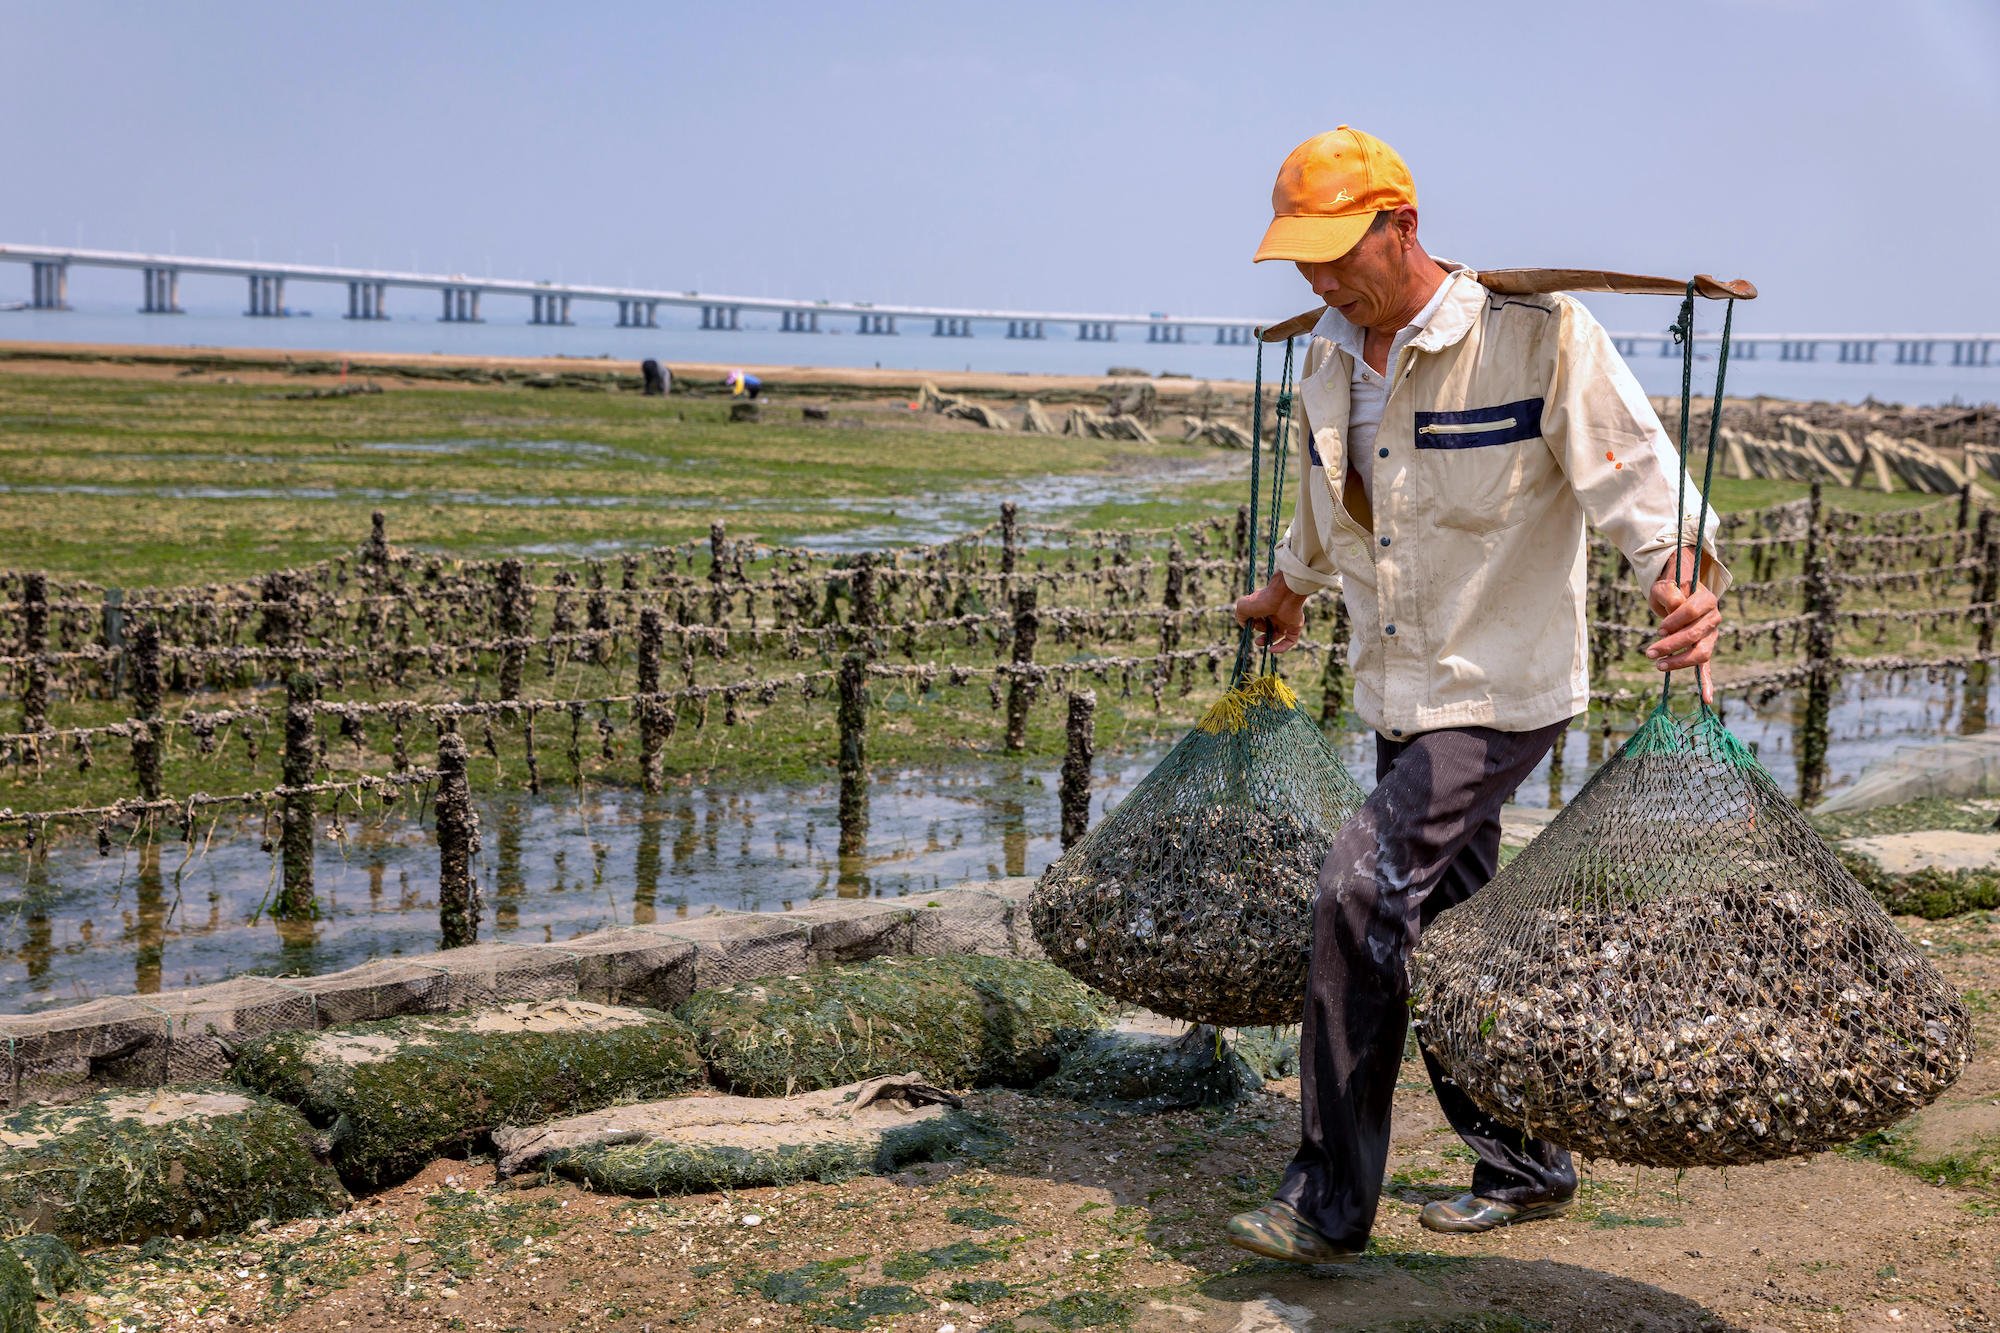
(1194, 896)
(1679, 972)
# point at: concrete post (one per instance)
(256, 296)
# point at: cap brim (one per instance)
(1312, 238)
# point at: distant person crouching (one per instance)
(743, 384)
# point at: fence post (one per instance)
(458, 843)
(866, 613)
(1822, 604)
(1074, 789)
(1020, 685)
(1987, 587)
(718, 553)
(114, 638)
(146, 700)
(34, 648)
(295, 901)
(652, 738)
(1010, 545)
(1333, 674)
(853, 764)
(375, 555)
(509, 586)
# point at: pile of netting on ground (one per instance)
(1194, 896)
(1678, 972)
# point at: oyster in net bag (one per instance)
(1194, 896)
(1679, 972)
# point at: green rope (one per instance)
(1279, 449)
(1683, 331)
(1240, 672)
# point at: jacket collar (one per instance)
(1463, 299)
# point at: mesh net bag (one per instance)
(1679, 972)
(1194, 896)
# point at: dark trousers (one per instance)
(1427, 837)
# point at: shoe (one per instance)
(1276, 1231)
(1469, 1214)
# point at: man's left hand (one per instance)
(1690, 622)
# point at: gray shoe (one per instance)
(1276, 1231)
(1469, 1214)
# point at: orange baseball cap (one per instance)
(1329, 191)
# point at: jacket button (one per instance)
(1381, 453)
(1389, 630)
(1395, 731)
(1385, 541)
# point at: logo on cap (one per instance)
(1343, 198)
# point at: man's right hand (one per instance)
(1277, 610)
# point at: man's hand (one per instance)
(1690, 622)
(1275, 609)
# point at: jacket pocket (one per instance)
(1471, 477)
(1480, 427)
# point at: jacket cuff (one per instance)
(1654, 561)
(1302, 578)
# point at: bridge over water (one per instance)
(460, 302)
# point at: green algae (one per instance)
(94, 1173)
(17, 1295)
(868, 1305)
(1138, 1073)
(660, 1167)
(979, 1219)
(960, 1021)
(440, 1088)
(981, 1292)
(53, 1266)
(960, 1254)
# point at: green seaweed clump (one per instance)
(17, 1295)
(1930, 893)
(868, 1304)
(54, 1267)
(400, 1093)
(1139, 1072)
(961, 1021)
(187, 1160)
(659, 1167)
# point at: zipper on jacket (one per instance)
(1466, 427)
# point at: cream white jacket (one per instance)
(1510, 421)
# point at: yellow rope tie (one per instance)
(1232, 711)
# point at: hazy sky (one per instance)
(1845, 156)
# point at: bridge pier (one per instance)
(635, 314)
(461, 306)
(1096, 331)
(51, 285)
(364, 300)
(1166, 333)
(1859, 350)
(1971, 352)
(1915, 353)
(163, 292)
(720, 316)
(1798, 349)
(951, 326)
(798, 321)
(1231, 336)
(267, 295)
(884, 325)
(1030, 329)
(551, 308)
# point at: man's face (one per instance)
(1365, 284)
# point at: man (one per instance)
(1454, 444)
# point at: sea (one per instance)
(679, 340)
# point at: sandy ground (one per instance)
(1088, 1221)
(251, 365)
